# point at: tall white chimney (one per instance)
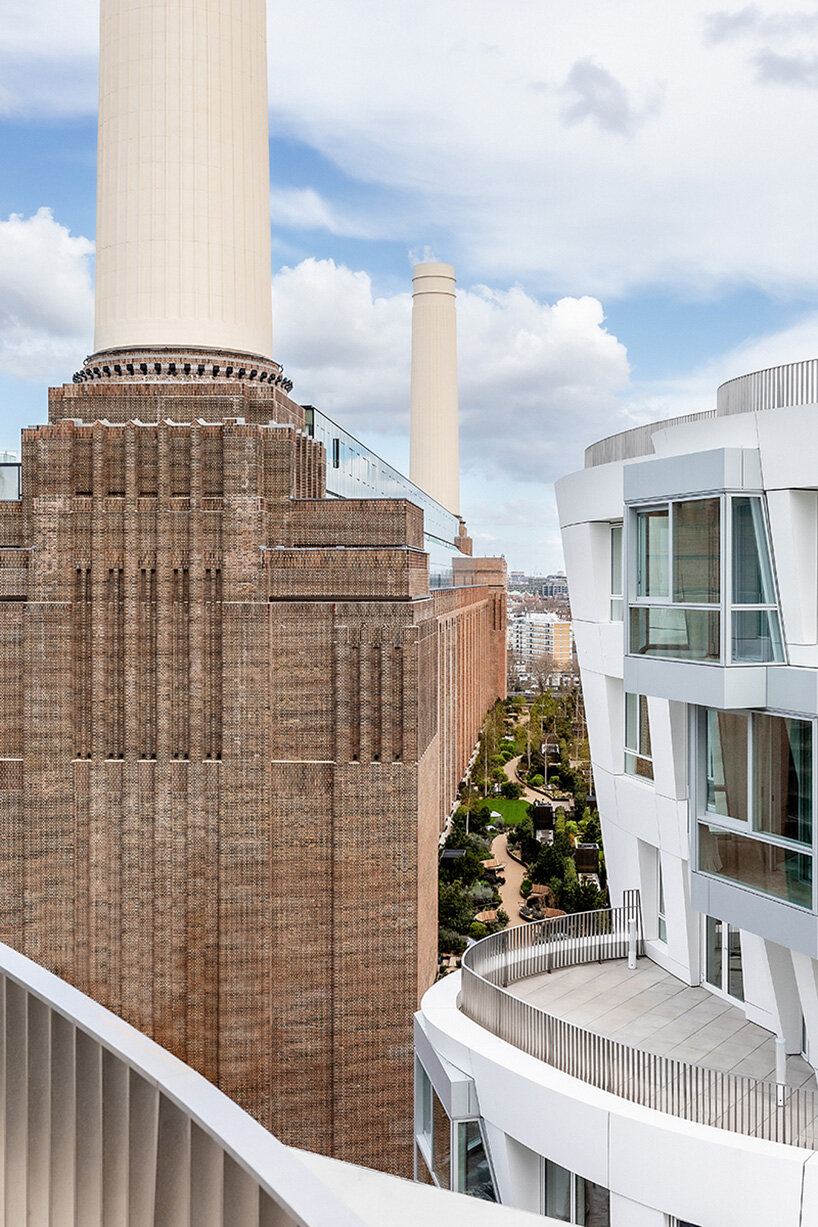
(183, 205)
(434, 463)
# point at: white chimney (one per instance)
(183, 207)
(434, 462)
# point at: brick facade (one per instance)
(232, 722)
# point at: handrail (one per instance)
(740, 1104)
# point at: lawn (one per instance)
(513, 811)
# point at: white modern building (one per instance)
(680, 1090)
(533, 635)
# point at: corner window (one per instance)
(686, 604)
(638, 754)
(616, 573)
(756, 802)
(473, 1173)
(449, 1154)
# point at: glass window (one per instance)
(593, 1204)
(735, 975)
(697, 551)
(678, 565)
(756, 636)
(684, 634)
(473, 1170)
(765, 867)
(652, 545)
(573, 1199)
(638, 755)
(782, 777)
(616, 572)
(752, 572)
(660, 907)
(557, 1192)
(713, 949)
(424, 1103)
(723, 957)
(441, 1144)
(726, 756)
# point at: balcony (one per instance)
(689, 1054)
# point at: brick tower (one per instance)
(234, 714)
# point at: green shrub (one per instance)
(449, 942)
(502, 917)
(477, 930)
(526, 887)
(536, 781)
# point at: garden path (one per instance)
(513, 874)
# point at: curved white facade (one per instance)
(691, 549)
(183, 216)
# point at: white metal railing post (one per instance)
(780, 1069)
(632, 944)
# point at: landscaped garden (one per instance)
(549, 839)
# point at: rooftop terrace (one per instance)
(562, 991)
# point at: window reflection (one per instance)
(474, 1172)
(765, 867)
(683, 634)
(727, 764)
(697, 551)
(782, 776)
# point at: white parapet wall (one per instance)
(101, 1127)
(659, 1168)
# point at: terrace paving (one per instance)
(650, 1009)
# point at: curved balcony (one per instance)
(753, 1106)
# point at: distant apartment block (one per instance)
(536, 635)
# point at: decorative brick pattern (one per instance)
(233, 719)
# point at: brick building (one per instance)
(235, 702)
(234, 716)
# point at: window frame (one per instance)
(631, 751)
(747, 828)
(721, 990)
(574, 1178)
(661, 904)
(726, 607)
(617, 599)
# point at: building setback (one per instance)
(233, 713)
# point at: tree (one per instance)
(455, 907)
(511, 791)
(541, 669)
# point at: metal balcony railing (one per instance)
(767, 1110)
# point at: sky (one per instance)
(627, 192)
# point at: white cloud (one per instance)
(457, 117)
(46, 297)
(600, 97)
(306, 209)
(535, 378)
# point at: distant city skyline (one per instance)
(591, 171)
